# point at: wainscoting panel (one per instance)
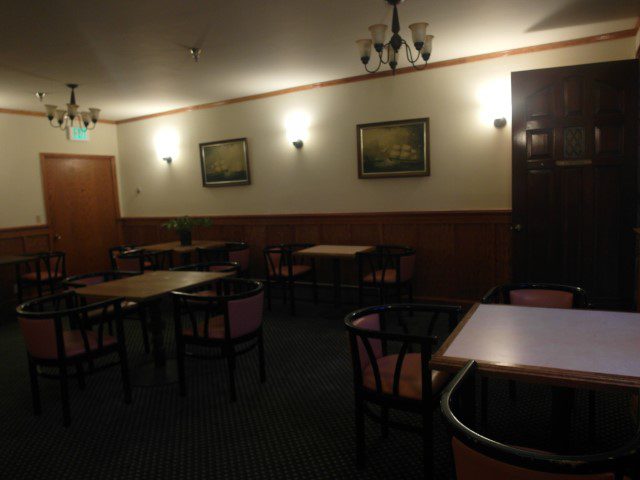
(16, 241)
(460, 254)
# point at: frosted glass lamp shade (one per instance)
(51, 111)
(72, 110)
(378, 35)
(86, 118)
(60, 114)
(418, 32)
(426, 48)
(364, 48)
(95, 114)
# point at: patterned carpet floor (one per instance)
(299, 424)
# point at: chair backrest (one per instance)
(369, 340)
(278, 258)
(48, 265)
(130, 261)
(478, 457)
(42, 321)
(239, 301)
(118, 250)
(395, 260)
(239, 252)
(538, 295)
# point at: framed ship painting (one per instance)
(225, 163)
(393, 149)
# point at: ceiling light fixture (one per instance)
(64, 118)
(388, 52)
(195, 53)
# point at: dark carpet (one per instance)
(299, 424)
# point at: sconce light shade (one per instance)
(167, 144)
(500, 122)
(297, 127)
(298, 143)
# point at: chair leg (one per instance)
(231, 364)
(384, 421)
(64, 392)
(293, 301)
(592, 416)
(263, 373)
(427, 441)
(484, 396)
(35, 390)
(268, 288)
(124, 368)
(360, 294)
(284, 291)
(512, 391)
(145, 330)
(360, 445)
(80, 373)
(182, 377)
(314, 286)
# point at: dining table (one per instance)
(184, 251)
(563, 348)
(335, 253)
(148, 289)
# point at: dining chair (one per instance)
(232, 252)
(140, 260)
(285, 268)
(230, 322)
(387, 373)
(128, 308)
(50, 343)
(545, 295)
(46, 270)
(389, 269)
(233, 268)
(478, 457)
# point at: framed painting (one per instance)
(394, 149)
(225, 163)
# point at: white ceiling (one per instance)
(130, 56)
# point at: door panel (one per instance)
(575, 144)
(82, 209)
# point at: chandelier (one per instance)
(64, 119)
(388, 52)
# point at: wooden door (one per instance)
(82, 209)
(575, 177)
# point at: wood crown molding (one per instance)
(368, 76)
(13, 111)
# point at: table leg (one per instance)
(562, 403)
(157, 334)
(337, 293)
(160, 371)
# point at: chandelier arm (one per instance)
(412, 60)
(380, 62)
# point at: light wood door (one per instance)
(575, 193)
(82, 209)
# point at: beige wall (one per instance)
(470, 159)
(22, 139)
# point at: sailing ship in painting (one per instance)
(394, 149)
(224, 163)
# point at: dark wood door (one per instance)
(82, 209)
(575, 132)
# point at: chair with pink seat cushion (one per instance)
(389, 269)
(238, 252)
(214, 288)
(479, 457)
(284, 268)
(46, 270)
(129, 309)
(51, 344)
(230, 321)
(387, 372)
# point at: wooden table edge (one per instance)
(305, 253)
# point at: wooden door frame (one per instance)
(108, 158)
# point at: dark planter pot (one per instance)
(185, 238)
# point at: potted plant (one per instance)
(184, 226)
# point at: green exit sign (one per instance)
(78, 134)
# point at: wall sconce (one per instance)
(297, 127)
(167, 143)
(500, 122)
